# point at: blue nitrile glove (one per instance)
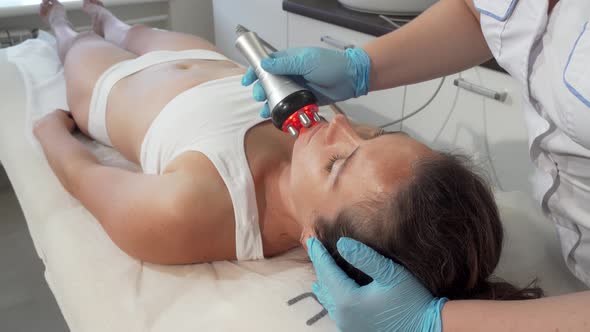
(331, 75)
(394, 301)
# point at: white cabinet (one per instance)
(507, 132)
(491, 132)
(377, 108)
(195, 17)
(451, 121)
(265, 17)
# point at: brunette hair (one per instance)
(443, 225)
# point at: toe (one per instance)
(43, 9)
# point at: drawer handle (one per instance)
(336, 43)
(480, 90)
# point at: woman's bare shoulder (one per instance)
(203, 209)
(199, 182)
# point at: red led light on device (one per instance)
(294, 121)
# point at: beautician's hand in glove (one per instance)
(394, 301)
(331, 75)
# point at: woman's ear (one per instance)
(306, 233)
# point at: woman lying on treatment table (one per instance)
(219, 183)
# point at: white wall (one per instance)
(193, 16)
(265, 17)
(189, 16)
(78, 18)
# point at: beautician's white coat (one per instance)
(550, 56)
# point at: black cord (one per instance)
(10, 42)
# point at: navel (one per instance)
(183, 66)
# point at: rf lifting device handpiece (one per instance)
(292, 106)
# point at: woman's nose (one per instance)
(339, 129)
(339, 120)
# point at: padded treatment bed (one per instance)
(99, 288)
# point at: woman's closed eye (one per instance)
(332, 161)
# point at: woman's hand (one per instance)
(56, 121)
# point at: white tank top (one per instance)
(212, 118)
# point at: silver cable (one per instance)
(487, 140)
(390, 21)
(10, 41)
(420, 109)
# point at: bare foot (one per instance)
(53, 12)
(105, 24)
(95, 8)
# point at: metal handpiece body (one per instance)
(292, 106)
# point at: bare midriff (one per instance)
(136, 100)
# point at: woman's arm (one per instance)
(161, 219)
(445, 39)
(559, 313)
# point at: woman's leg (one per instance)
(140, 39)
(54, 15)
(85, 56)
